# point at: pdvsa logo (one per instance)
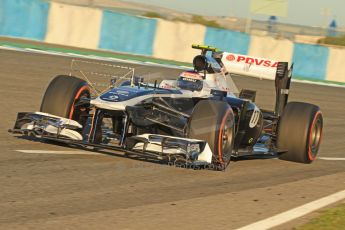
(252, 61)
(231, 57)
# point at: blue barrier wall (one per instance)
(227, 40)
(310, 61)
(137, 35)
(23, 18)
(124, 33)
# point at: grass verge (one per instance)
(330, 219)
(320, 81)
(81, 51)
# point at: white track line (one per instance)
(295, 213)
(332, 158)
(4, 47)
(58, 152)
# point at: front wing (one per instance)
(163, 147)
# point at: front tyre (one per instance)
(299, 132)
(213, 122)
(63, 95)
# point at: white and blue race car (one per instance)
(196, 120)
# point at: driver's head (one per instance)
(200, 63)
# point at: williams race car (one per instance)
(195, 121)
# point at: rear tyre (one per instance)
(299, 132)
(213, 121)
(62, 95)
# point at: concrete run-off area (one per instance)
(48, 186)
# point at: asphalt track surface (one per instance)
(102, 191)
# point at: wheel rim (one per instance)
(76, 111)
(315, 136)
(225, 139)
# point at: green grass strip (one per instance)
(90, 52)
(318, 80)
(331, 219)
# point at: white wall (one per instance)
(74, 25)
(174, 40)
(270, 48)
(336, 65)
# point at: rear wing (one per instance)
(245, 65)
(250, 66)
(241, 64)
(262, 68)
(280, 72)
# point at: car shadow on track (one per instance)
(133, 156)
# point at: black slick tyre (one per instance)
(213, 121)
(299, 132)
(62, 95)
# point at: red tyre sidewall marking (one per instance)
(220, 137)
(310, 153)
(75, 98)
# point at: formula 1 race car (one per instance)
(196, 120)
